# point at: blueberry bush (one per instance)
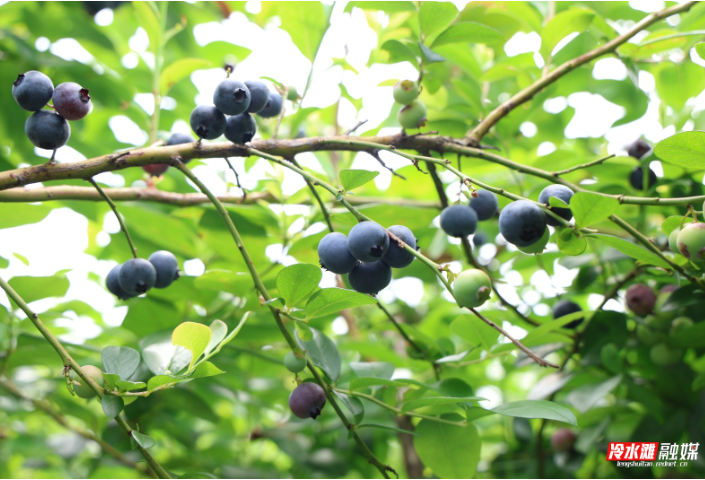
(406, 253)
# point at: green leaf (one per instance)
(631, 249)
(562, 25)
(16, 214)
(364, 382)
(332, 300)
(126, 386)
(323, 353)
(387, 7)
(306, 23)
(685, 149)
(691, 337)
(373, 369)
(142, 440)
(673, 222)
(37, 288)
(160, 381)
(179, 70)
(537, 409)
(474, 331)
(399, 52)
(698, 383)
(205, 369)
(353, 404)
(700, 49)
(590, 208)
(584, 397)
(385, 427)
(112, 406)
(570, 242)
(474, 413)
(557, 202)
(428, 401)
(356, 178)
(120, 360)
(194, 337)
(111, 380)
(297, 281)
(468, 32)
(436, 16)
(448, 450)
(237, 329)
(430, 56)
(218, 332)
(553, 325)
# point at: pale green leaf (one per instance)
(589, 208)
(351, 179)
(179, 70)
(468, 32)
(332, 300)
(685, 149)
(194, 337)
(297, 281)
(631, 249)
(537, 409)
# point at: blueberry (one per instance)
(368, 241)
(636, 178)
(561, 192)
(307, 400)
(565, 307)
(179, 138)
(81, 388)
(94, 7)
(334, 254)
(396, 256)
(232, 97)
(640, 299)
(413, 115)
(113, 285)
(241, 128)
(370, 278)
(638, 149)
(136, 276)
(293, 363)
(522, 223)
(459, 220)
(273, 107)
(259, 96)
(472, 288)
(563, 440)
(537, 248)
(47, 130)
(155, 169)
(71, 101)
(485, 204)
(207, 122)
(479, 239)
(166, 266)
(32, 90)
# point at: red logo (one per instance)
(631, 451)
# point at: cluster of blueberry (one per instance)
(638, 150)
(413, 113)
(238, 100)
(136, 276)
(46, 129)
(366, 255)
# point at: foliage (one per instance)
(416, 385)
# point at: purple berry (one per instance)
(307, 400)
(71, 101)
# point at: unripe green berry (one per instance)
(680, 324)
(81, 388)
(648, 336)
(293, 363)
(405, 92)
(539, 246)
(691, 242)
(412, 115)
(293, 94)
(472, 288)
(673, 240)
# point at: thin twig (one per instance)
(584, 165)
(237, 178)
(358, 125)
(117, 215)
(376, 156)
(317, 198)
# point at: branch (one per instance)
(317, 197)
(584, 165)
(68, 361)
(475, 136)
(117, 215)
(61, 420)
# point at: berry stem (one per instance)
(69, 362)
(117, 215)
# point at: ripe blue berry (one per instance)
(241, 128)
(636, 178)
(32, 90)
(334, 254)
(273, 107)
(166, 266)
(522, 223)
(47, 130)
(638, 149)
(207, 122)
(485, 204)
(232, 97)
(396, 256)
(565, 307)
(561, 192)
(71, 101)
(307, 400)
(459, 220)
(479, 239)
(113, 285)
(370, 278)
(179, 138)
(368, 241)
(136, 276)
(259, 95)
